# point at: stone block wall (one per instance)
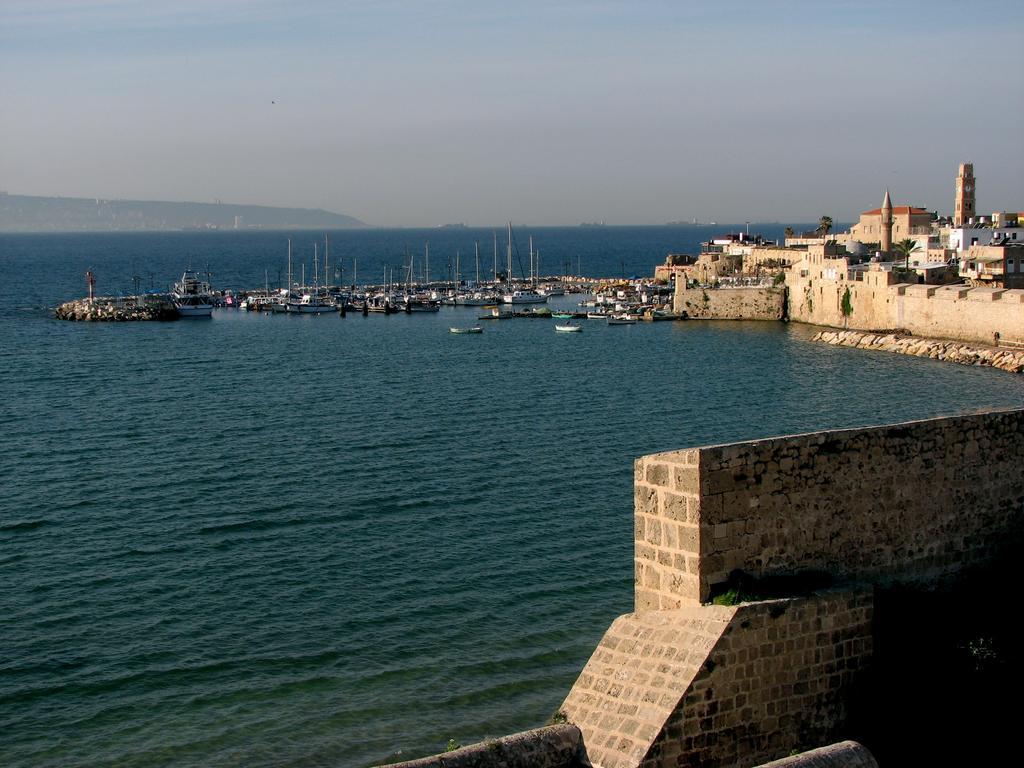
(730, 303)
(913, 502)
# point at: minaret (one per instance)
(963, 207)
(886, 241)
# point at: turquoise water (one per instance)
(303, 541)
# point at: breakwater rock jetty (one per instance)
(116, 310)
(950, 351)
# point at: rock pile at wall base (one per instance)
(949, 351)
(111, 310)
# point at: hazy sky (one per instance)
(421, 113)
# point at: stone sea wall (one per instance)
(954, 312)
(115, 310)
(951, 351)
(730, 303)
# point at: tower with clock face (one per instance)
(963, 207)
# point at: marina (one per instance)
(305, 521)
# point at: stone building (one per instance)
(998, 266)
(906, 222)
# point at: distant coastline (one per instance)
(26, 213)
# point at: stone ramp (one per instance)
(636, 678)
(722, 685)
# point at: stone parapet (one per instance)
(913, 502)
(556, 746)
(845, 754)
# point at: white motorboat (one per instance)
(309, 304)
(568, 328)
(523, 297)
(193, 295)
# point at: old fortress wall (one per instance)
(682, 682)
(731, 303)
(948, 312)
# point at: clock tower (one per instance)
(963, 207)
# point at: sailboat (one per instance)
(522, 295)
(309, 303)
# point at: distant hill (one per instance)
(23, 213)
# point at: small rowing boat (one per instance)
(568, 328)
(474, 329)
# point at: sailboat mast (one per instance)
(316, 269)
(509, 248)
(477, 245)
(531, 259)
(289, 267)
(495, 257)
(426, 262)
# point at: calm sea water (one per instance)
(310, 541)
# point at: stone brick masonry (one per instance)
(679, 682)
(913, 501)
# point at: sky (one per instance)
(558, 112)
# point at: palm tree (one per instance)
(788, 232)
(905, 248)
(824, 225)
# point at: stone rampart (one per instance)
(946, 312)
(914, 502)
(730, 303)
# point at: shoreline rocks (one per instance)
(116, 310)
(1011, 360)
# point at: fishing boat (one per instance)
(474, 329)
(562, 315)
(621, 320)
(597, 315)
(192, 295)
(568, 328)
(496, 314)
(477, 299)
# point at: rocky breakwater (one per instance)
(116, 310)
(950, 351)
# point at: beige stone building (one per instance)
(907, 222)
